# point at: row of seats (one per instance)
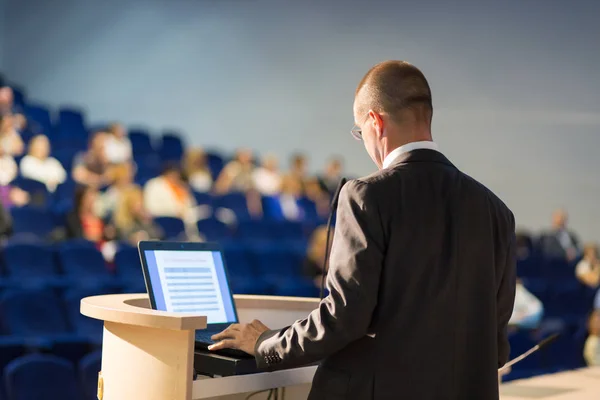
(43, 376)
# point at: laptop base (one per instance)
(215, 365)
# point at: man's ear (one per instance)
(377, 122)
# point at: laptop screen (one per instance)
(191, 281)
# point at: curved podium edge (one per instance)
(275, 302)
(134, 309)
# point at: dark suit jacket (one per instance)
(423, 259)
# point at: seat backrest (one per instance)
(171, 148)
(38, 376)
(89, 367)
(32, 220)
(82, 258)
(78, 322)
(172, 227)
(140, 142)
(29, 260)
(32, 313)
(213, 229)
(127, 261)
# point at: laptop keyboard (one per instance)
(204, 337)
(203, 340)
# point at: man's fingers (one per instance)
(224, 344)
(230, 332)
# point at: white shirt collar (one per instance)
(397, 152)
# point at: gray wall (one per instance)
(2, 34)
(515, 82)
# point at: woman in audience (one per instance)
(118, 146)
(38, 164)
(237, 174)
(333, 175)
(168, 195)
(588, 269)
(132, 220)
(267, 179)
(83, 222)
(291, 191)
(315, 255)
(92, 167)
(10, 140)
(591, 350)
(122, 177)
(196, 171)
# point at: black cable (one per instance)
(259, 392)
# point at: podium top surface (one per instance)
(134, 309)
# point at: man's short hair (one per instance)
(394, 87)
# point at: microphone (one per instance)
(532, 350)
(333, 209)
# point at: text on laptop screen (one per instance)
(191, 282)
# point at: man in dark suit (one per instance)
(422, 271)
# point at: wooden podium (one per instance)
(149, 354)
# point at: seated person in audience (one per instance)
(266, 178)
(196, 171)
(298, 170)
(91, 168)
(10, 139)
(83, 222)
(39, 166)
(11, 196)
(118, 146)
(8, 107)
(560, 242)
(236, 176)
(291, 192)
(528, 309)
(168, 195)
(8, 168)
(588, 269)
(121, 177)
(591, 350)
(132, 220)
(331, 178)
(315, 255)
(5, 222)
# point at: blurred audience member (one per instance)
(5, 222)
(266, 178)
(118, 146)
(560, 242)
(196, 171)
(528, 309)
(588, 269)
(11, 196)
(237, 174)
(83, 222)
(7, 102)
(310, 186)
(92, 167)
(10, 139)
(298, 170)
(8, 169)
(291, 191)
(331, 178)
(39, 166)
(132, 220)
(591, 350)
(121, 177)
(168, 195)
(524, 244)
(315, 255)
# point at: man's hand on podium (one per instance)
(239, 336)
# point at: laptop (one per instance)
(191, 278)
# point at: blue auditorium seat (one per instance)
(30, 264)
(38, 192)
(214, 230)
(89, 367)
(37, 376)
(203, 198)
(172, 227)
(276, 262)
(235, 202)
(32, 220)
(141, 143)
(71, 128)
(215, 163)
(66, 156)
(148, 164)
(171, 147)
(82, 262)
(272, 208)
(41, 115)
(129, 268)
(18, 96)
(84, 327)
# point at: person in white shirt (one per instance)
(117, 146)
(8, 169)
(267, 179)
(528, 309)
(588, 269)
(39, 166)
